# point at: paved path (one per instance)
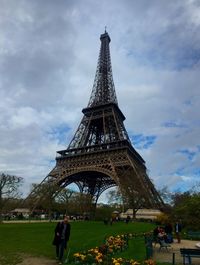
(166, 256)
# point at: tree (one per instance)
(9, 189)
(166, 195)
(186, 208)
(83, 203)
(64, 195)
(127, 198)
(115, 197)
(104, 212)
(42, 196)
(63, 198)
(179, 198)
(196, 188)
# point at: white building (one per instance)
(148, 214)
(21, 211)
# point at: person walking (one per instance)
(177, 230)
(61, 238)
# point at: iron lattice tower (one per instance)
(100, 154)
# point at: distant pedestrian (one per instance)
(62, 233)
(168, 231)
(111, 221)
(177, 230)
(105, 221)
(128, 218)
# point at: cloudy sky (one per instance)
(48, 58)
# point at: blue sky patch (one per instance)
(189, 154)
(196, 172)
(188, 102)
(173, 124)
(179, 58)
(141, 141)
(180, 171)
(60, 133)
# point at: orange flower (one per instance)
(150, 262)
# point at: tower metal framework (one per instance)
(100, 155)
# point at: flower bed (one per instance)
(104, 254)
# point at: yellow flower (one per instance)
(76, 255)
(91, 249)
(134, 262)
(82, 257)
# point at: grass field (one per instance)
(35, 239)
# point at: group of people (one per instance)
(166, 233)
(62, 234)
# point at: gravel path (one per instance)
(37, 261)
(166, 256)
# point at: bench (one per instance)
(164, 245)
(188, 253)
(193, 234)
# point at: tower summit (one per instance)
(102, 122)
(100, 155)
(103, 89)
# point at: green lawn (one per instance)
(36, 239)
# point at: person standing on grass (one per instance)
(62, 233)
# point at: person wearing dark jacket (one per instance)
(168, 231)
(62, 233)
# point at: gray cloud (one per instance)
(49, 52)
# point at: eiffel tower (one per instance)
(101, 155)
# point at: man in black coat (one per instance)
(62, 233)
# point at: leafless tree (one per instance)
(9, 189)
